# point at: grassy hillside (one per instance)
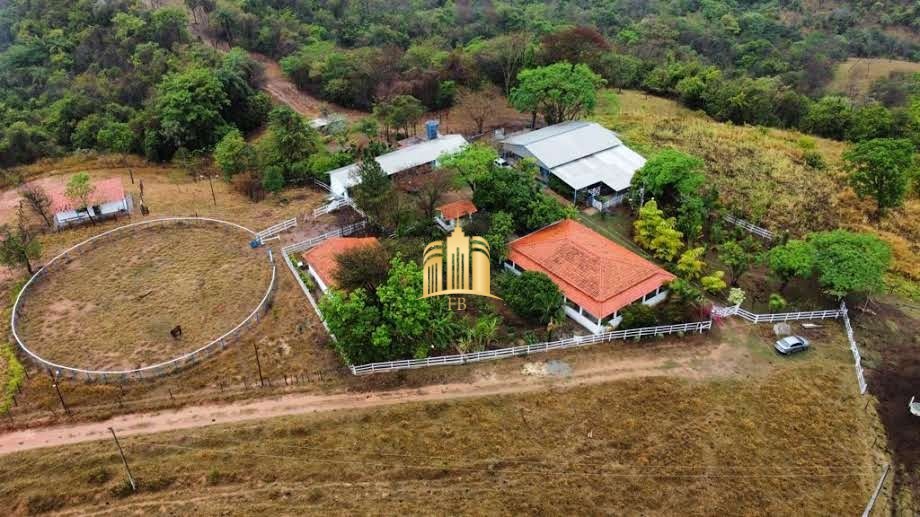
(763, 172)
(855, 76)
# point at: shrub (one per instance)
(15, 376)
(638, 315)
(777, 302)
(532, 296)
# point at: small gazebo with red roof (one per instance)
(597, 276)
(452, 213)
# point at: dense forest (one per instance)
(122, 76)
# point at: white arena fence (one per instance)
(154, 370)
(756, 230)
(548, 346)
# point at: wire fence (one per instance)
(548, 346)
(154, 370)
(756, 230)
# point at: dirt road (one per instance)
(534, 376)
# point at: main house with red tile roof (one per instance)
(597, 277)
(108, 199)
(320, 259)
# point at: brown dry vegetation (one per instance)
(112, 306)
(789, 437)
(855, 76)
(762, 172)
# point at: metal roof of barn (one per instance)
(399, 160)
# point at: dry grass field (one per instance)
(855, 76)
(112, 307)
(788, 436)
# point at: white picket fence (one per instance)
(332, 206)
(313, 241)
(756, 230)
(723, 312)
(276, 229)
(561, 344)
(857, 357)
(786, 316)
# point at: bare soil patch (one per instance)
(113, 306)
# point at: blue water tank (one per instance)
(431, 129)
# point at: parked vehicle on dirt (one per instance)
(791, 344)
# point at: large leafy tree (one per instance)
(532, 295)
(18, 247)
(365, 267)
(794, 259)
(881, 168)
(189, 106)
(289, 144)
(473, 164)
(669, 177)
(355, 322)
(737, 257)
(848, 263)
(233, 154)
(407, 314)
(560, 92)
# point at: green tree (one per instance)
(233, 154)
(532, 296)
(691, 263)
(881, 168)
(356, 324)
(405, 312)
(374, 192)
(273, 179)
(657, 234)
(545, 210)
(870, 121)
(18, 248)
(713, 283)
(794, 259)
(289, 143)
(188, 105)
(473, 164)
(669, 177)
(500, 229)
(736, 258)
(116, 137)
(831, 117)
(561, 91)
(79, 190)
(848, 262)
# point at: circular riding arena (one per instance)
(143, 299)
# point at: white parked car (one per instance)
(501, 162)
(791, 345)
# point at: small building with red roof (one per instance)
(452, 213)
(597, 276)
(320, 259)
(108, 199)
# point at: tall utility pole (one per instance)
(259, 365)
(124, 460)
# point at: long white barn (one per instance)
(425, 153)
(583, 155)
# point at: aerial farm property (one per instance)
(524, 258)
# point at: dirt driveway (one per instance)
(721, 360)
